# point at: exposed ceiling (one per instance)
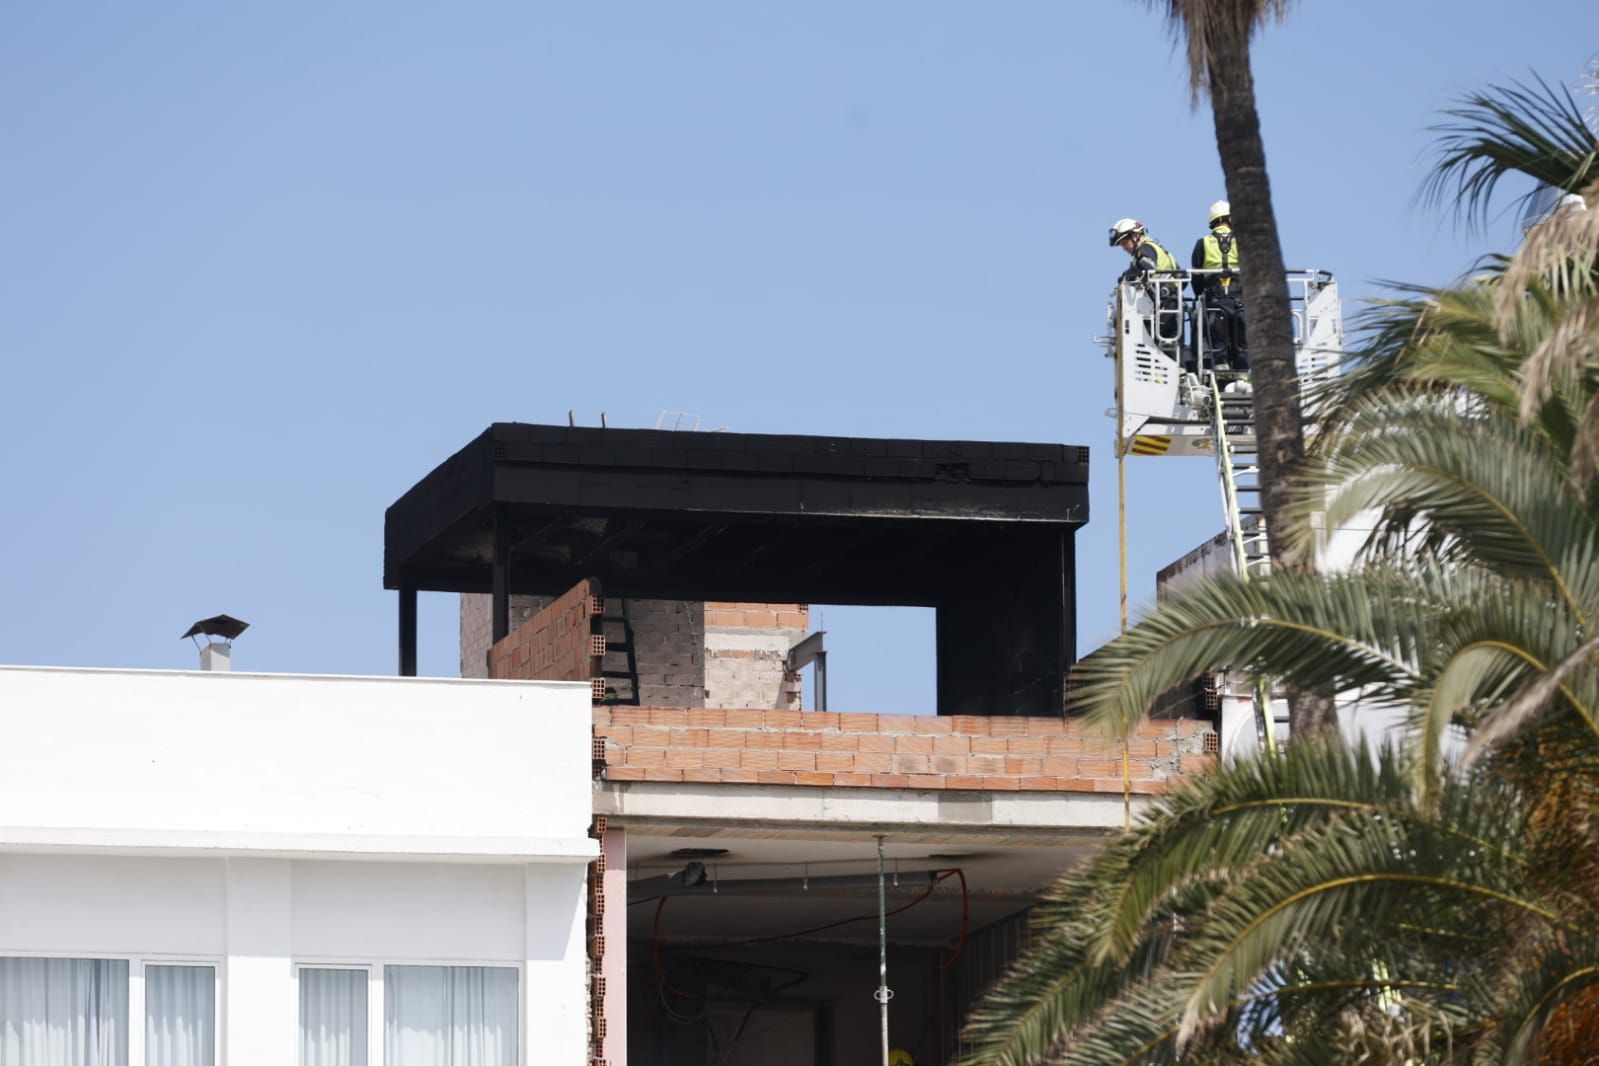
(732, 904)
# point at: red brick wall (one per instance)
(762, 615)
(890, 751)
(746, 654)
(559, 643)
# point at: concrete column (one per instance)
(407, 630)
(1005, 629)
(500, 578)
(259, 1007)
(614, 967)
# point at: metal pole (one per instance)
(407, 630)
(821, 681)
(500, 580)
(883, 994)
(1121, 539)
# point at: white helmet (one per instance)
(1124, 228)
(1220, 209)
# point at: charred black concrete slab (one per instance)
(981, 531)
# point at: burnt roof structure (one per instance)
(981, 531)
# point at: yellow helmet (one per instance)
(1220, 209)
(900, 1057)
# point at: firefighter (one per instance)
(1130, 235)
(1221, 294)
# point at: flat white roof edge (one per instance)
(223, 674)
(203, 843)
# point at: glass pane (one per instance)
(449, 1016)
(333, 1017)
(63, 1012)
(180, 1010)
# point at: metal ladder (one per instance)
(1238, 473)
(1232, 418)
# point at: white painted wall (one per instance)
(292, 764)
(1374, 725)
(260, 822)
(256, 918)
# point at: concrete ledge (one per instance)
(779, 809)
(200, 843)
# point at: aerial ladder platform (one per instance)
(1177, 397)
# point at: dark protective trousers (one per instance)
(1225, 342)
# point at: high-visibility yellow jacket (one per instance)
(1217, 250)
(1157, 257)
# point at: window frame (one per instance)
(137, 961)
(376, 992)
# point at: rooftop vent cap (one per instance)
(216, 655)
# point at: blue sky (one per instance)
(262, 266)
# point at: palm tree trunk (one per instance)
(1278, 428)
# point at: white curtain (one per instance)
(333, 1017)
(180, 1015)
(449, 1016)
(63, 1012)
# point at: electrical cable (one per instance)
(659, 963)
(680, 1019)
(720, 1054)
(966, 911)
(928, 891)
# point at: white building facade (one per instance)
(201, 869)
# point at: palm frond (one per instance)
(1226, 823)
(1573, 676)
(1548, 973)
(1358, 874)
(1453, 342)
(1533, 129)
(1324, 633)
(1200, 24)
(1493, 489)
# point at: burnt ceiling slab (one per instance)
(729, 516)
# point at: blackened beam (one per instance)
(683, 549)
(604, 543)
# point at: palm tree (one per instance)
(1217, 34)
(1423, 905)
(1438, 902)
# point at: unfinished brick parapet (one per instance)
(555, 644)
(758, 615)
(746, 653)
(666, 653)
(750, 746)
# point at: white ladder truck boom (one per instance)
(1174, 399)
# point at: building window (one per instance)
(63, 1012)
(459, 1015)
(333, 1017)
(180, 1011)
